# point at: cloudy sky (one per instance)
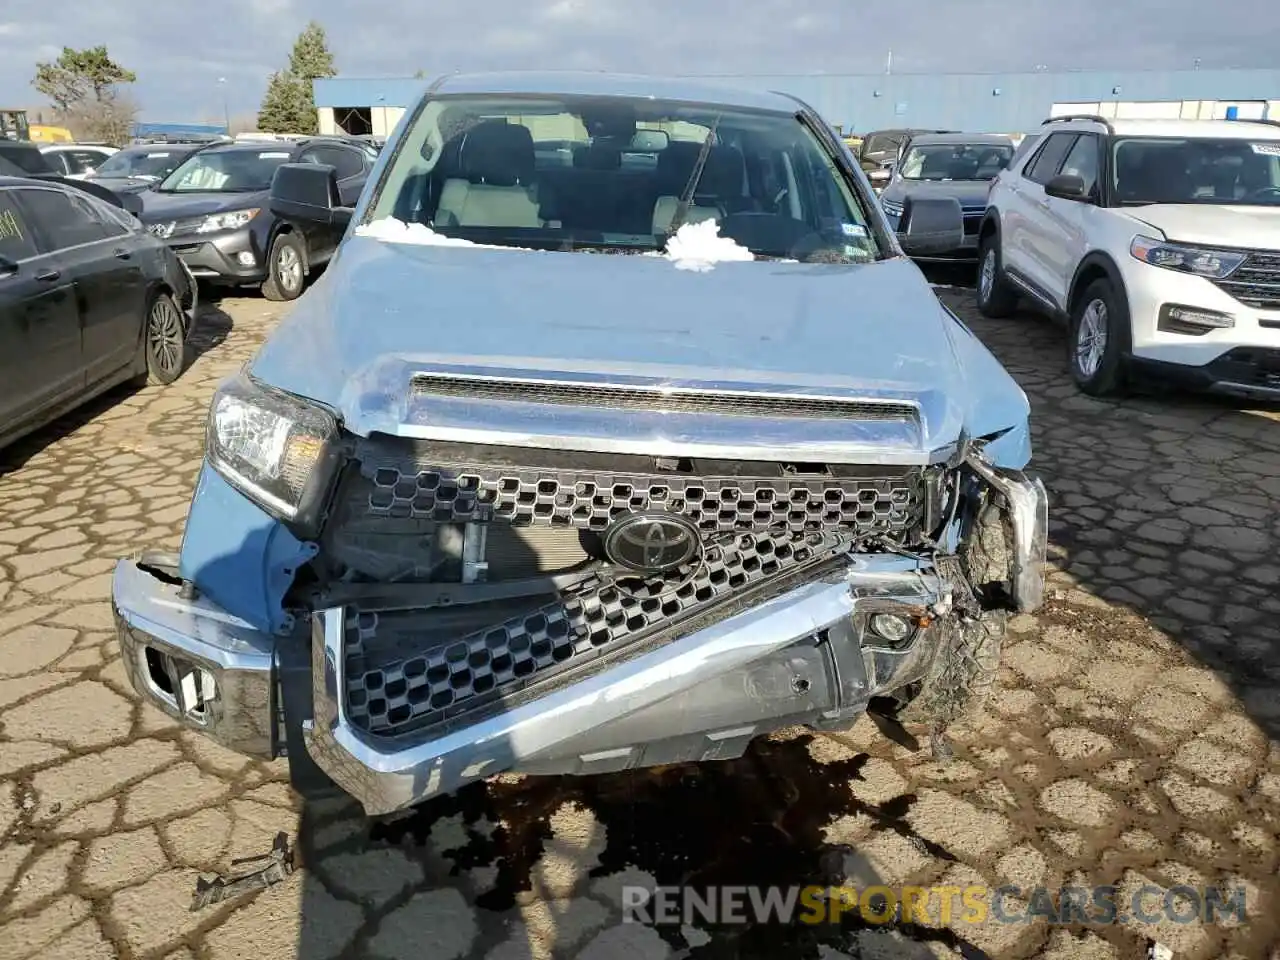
(180, 48)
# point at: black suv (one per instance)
(213, 211)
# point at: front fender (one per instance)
(237, 555)
(996, 406)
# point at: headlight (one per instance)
(891, 207)
(226, 221)
(1214, 264)
(274, 448)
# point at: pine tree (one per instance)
(283, 106)
(311, 59)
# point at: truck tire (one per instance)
(962, 677)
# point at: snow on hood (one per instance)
(695, 246)
(699, 246)
(397, 231)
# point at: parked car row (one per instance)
(88, 300)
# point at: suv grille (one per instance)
(1256, 282)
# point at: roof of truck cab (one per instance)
(592, 84)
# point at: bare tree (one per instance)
(84, 87)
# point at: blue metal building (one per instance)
(175, 129)
(988, 102)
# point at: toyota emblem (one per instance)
(651, 542)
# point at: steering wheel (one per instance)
(772, 231)
(1263, 192)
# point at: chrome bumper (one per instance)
(196, 662)
(800, 657)
(1028, 503)
(803, 656)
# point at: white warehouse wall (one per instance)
(1171, 109)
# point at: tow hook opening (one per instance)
(185, 686)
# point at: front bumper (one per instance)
(803, 654)
(221, 257)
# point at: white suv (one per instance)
(1158, 241)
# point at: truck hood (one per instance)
(160, 207)
(1213, 224)
(384, 312)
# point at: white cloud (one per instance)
(244, 40)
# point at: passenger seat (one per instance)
(496, 188)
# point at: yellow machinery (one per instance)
(42, 133)
(14, 126)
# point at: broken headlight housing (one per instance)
(276, 449)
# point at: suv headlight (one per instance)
(226, 221)
(1214, 264)
(274, 448)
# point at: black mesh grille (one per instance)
(390, 695)
(590, 499)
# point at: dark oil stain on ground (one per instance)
(754, 821)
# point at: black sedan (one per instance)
(88, 300)
(949, 165)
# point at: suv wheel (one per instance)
(286, 269)
(1098, 340)
(996, 298)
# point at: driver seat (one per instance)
(675, 166)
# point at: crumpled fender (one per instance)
(238, 556)
(998, 410)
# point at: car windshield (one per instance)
(226, 171)
(1197, 170)
(883, 143)
(621, 175)
(956, 161)
(152, 163)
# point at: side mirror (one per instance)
(1066, 186)
(930, 226)
(308, 193)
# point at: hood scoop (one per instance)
(660, 396)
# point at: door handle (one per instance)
(48, 275)
(121, 253)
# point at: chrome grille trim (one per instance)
(1256, 282)
(390, 696)
(656, 397)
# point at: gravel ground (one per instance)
(1132, 742)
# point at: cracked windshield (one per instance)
(463, 499)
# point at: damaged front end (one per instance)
(455, 607)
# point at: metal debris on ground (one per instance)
(274, 867)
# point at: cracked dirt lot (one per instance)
(1133, 741)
